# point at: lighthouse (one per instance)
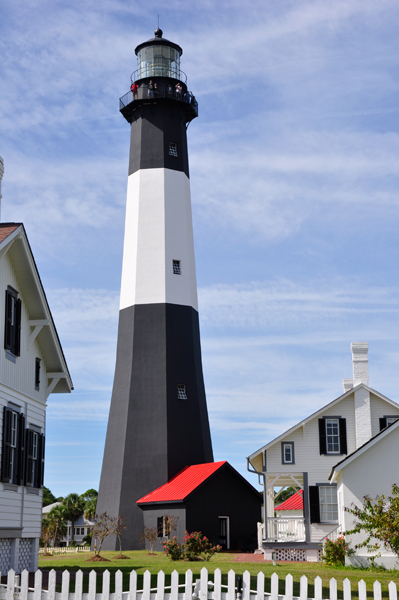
(158, 421)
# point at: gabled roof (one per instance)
(294, 502)
(359, 451)
(183, 484)
(14, 242)
(321, 411)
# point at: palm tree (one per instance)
(90, 498)
(74, 507)
(58, 517)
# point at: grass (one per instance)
(140, 561)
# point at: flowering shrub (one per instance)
(173, 549)
(334, 552)
(195, 547)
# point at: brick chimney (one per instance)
(362, 396)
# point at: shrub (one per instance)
(173, 549)
(334, 552)
(195, 547)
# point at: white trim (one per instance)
(228, 531)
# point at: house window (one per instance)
(176, 267)
(287, 453)
(328, 504)
(12, 329)
(181, 391)
(173, 149)
(387, 420)
(37, 374)
(332, 435)
(13, 446)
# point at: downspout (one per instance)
(259, 474)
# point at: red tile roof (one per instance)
(185, 482)
(294, 502)
(7, 229)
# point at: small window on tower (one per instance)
(176, 267)
(172, 149)
(181, 391)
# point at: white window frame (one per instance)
(14, 437)
(391, 420)
(334, 423)
(329, 504)
(228, 530)
(286, 445)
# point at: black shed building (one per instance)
(212, 498)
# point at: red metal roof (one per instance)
(294, 502)
(183, 483)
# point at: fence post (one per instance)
(51, 585)
(260, 587)
(274, 587)
(204, 584)
(118, 585)
(79, 585)
(161, 585)
(289, 587)
(377, 590)
(10, 584)
(174, 581)
(393, 593)
(362, 590)
(231, 585)
(188, 588)
(24, 585)
(92, 585)
(37, 593)
(133, 585)
(318, 588)
(106, 582)
(303, 588)
(347, 589)
(246, 587)
(65, 585)
(333, 589)
(147, 585)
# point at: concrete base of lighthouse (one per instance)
(152, 434)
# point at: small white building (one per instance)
(32, 366)
(371, 470)
(303, 457)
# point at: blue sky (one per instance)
(294, 179)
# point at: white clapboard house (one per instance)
(303, 457)
(32, 366)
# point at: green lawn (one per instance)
(140, 561)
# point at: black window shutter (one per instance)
(29, 457)
(21, 450)
(8, 321)
(342, 437)
(314, 504)
(40, 462)
(160, 526)
(18, 306)
(6, 446)
(383, 423)
(322, 436)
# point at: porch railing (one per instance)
(287, 529)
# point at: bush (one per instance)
(195, 547)
(173, 549)
(334, 552)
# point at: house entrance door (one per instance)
(224, 533)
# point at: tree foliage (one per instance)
(103, 527)
(120, 527)
(150, 535)
(58, 518)
(379, 519)
(74, 507)
(90, 498)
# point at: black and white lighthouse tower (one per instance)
(158, 421)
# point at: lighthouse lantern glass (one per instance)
(158, 61)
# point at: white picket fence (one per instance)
(58, 550)
(201, 589)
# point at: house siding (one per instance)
(379, 408)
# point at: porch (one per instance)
(281, 528)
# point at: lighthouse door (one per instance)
(224, 532)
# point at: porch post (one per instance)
(306, 512)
